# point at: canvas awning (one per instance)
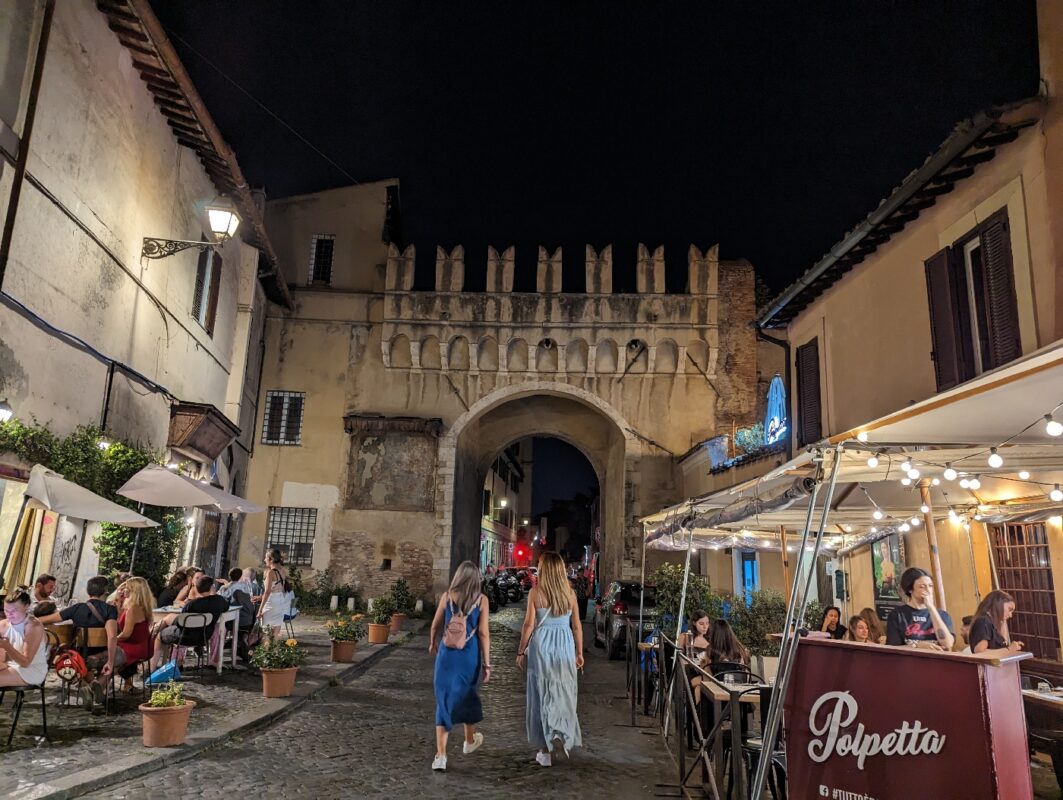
(52, 491)
(158, 486)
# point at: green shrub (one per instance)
(168, 696)
(668, 579)
(319, 597)
(765, 614)
(383, 608)
(402, 597)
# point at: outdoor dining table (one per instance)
(230, 616)
(731, 695)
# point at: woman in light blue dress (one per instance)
(552, 642)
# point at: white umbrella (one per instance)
(158, 486)
(52, 491)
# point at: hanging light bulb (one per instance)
(914, 521)
(1056, 495)
(905, 528)
(847, 528)
(913, 473)
(906, 481)
(995, 461)
(1053, 428)
(874, 529)
(862, 436)
(952, 514)
(935, 482)
(873, 461)
(924, 508)
(974, 483)
(877, 513)
(964, 483)
(950, 473)
(978, 517)
(906, 465)
(1024, 475)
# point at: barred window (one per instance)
(291, 530)
(283, 420)
(322, 246)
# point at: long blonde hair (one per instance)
(138, 595)
(553, 584)
(465, 586)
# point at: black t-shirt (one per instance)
(213, 604)
(982, 630)
(167, 597)
(82, 617)
(838, 632)
(906, 623)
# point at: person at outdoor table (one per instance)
(695, 643)
(724, 647)
(238, 582)
(190, 592)
(206, 602)
(23, 651)
(989, 629)
(134, 621)
(42, 591)
(94, 613)
(274, 603)
(116, 598)
(965, 634)
(858, 631)
(832, 623)
(875, 629)
(919, 623)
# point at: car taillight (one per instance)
(619, 607)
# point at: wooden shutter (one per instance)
(201, 279)
(809, 416)
(998, 284)
(215, 286)
(945, 325)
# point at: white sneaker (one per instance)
(477, 740)
(439, 763)
(543, 760)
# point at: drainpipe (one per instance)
(785, 345)
(24, 142)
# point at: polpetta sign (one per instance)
(893, 723)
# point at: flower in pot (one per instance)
(165, 716)
(278, 660)
(380, 626)
(404, 602)
(345, 632)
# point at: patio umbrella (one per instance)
(775, 417)
(158, 486)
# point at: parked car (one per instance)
(612, 611)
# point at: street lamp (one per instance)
(223, 219)
(6, 411)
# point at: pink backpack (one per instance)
(455, 635)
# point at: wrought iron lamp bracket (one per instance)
(162, 248)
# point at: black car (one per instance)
(612, 610)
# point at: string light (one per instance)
(964, 483)
(953, 515)
(847, 528)
(862, 436)
(915, 522)
(1056, 495)
(950, 473)
(935, 482)
(905, 527)
(995, 460)
(924, 508)
(877, 514)
(1024, 475)
(906, 465)
(974, 483)
(874, 529)
(906, 481)
(1053, 428)
(913, 474)
(873, 461)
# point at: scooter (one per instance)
(495, 591)
(509, 585)
(489, 593)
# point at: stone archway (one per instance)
(544, 408)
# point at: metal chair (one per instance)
(194, 631)
(51, 642)
(293, 612)
(96, 639)
(753, 749)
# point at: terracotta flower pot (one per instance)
(166, 727)
(278, 682)
(397, 621)
(378, 634)
(343, 652)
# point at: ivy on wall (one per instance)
(90, 459)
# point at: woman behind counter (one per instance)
(919, 623)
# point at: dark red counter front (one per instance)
(895, 723)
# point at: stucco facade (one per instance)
(630, 380)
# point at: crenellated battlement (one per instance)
(702, 270)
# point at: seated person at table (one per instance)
(42, 592)
(875, 629)
(168, 596)
(23, 649)
(238, 582)
(695, 643)
(95, 613)
(725, 651)
(989, 628)
(207, 602)
(190, 592)
(965, 634)
(832, 623)
(919, 623)
(134, 622)
(858, 631)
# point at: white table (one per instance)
(230, 616)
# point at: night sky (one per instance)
(768, 127)
(560, 472)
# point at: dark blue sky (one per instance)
(561, 472)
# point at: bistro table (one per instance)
(731, 695)
(230, 616)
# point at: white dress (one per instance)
(35, 673)
(276, 606)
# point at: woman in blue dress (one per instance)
(460, 661)
(552, 641)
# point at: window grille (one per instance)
(1024, 569)
(291, 530)
(283, 419)
(322, 247)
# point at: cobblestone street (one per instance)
(374, 737)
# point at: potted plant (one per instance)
(278, 660)
(165, 716)
(402, 598)
(380, 626)
(345, 632)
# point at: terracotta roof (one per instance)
(140, 31)
(972, 142)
